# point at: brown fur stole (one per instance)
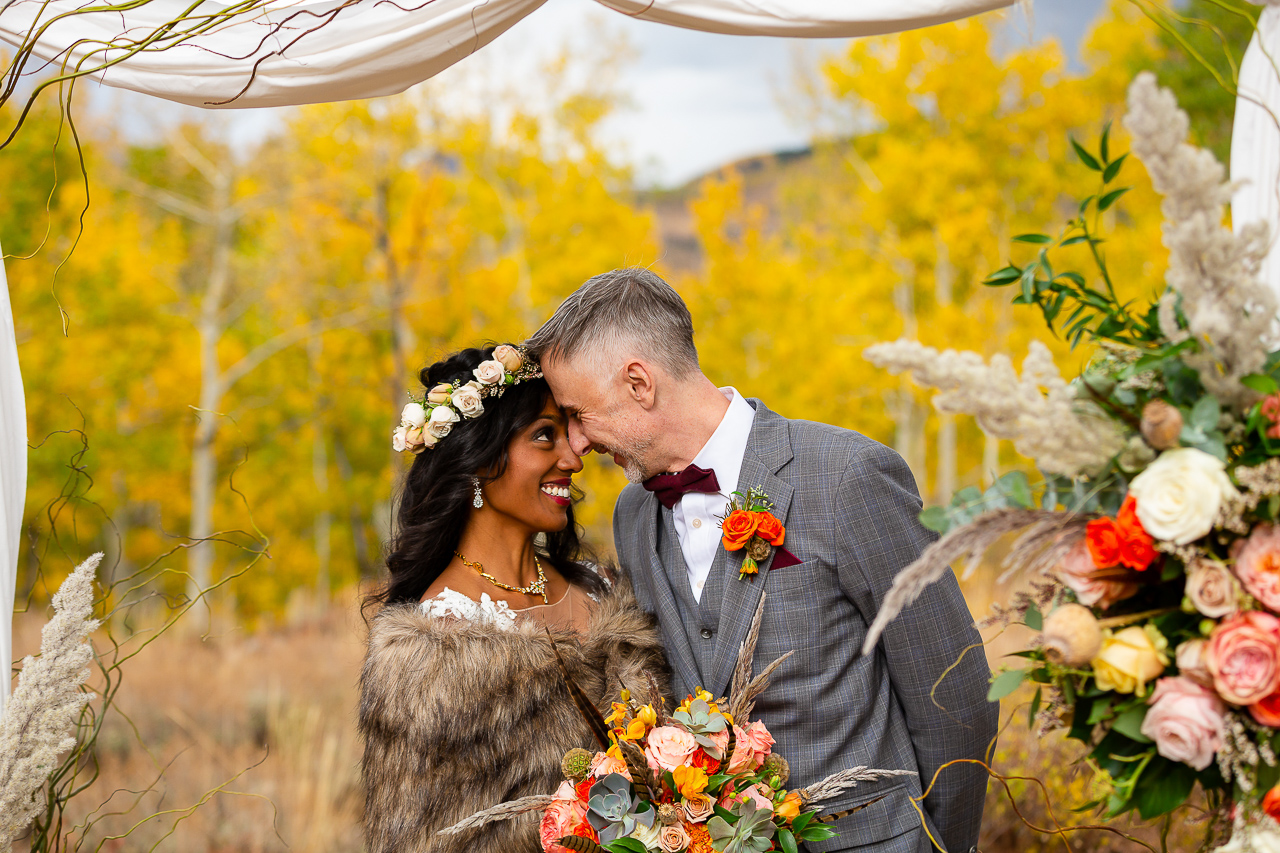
(459, 716)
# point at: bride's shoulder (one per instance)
(449, 604)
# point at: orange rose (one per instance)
(704, 762)
(738, 527)
(1137, 548)
(770, 529)
(1103, 538)
(1271, 802)
(789, 808)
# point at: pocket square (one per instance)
(782, 559)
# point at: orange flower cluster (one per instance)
(741, 525)
(699, 838)
(1121, 541)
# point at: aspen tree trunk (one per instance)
(908, 419)
(945, 481)
(323, 524)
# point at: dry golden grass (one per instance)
(269, 717)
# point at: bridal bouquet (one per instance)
(695, 781)
(1154, 539)
(699, 779)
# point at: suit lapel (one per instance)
(768, 449)
(679, 652)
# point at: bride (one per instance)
(462, 703)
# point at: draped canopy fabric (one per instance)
(269, 53)
(1255, 137)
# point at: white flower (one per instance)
(490, 372)
(509, 356)
(441, 421)
(467, 401)
(397, 438)
(1261, 835)
(1180, 493)
(647, 835)
(413, 415)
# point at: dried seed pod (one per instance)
(576, 764)
(1161, 425)
(1072, 636)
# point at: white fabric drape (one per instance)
(307, 51)
(13, 475)
(1255, 138)
(286, 52)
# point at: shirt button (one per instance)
(706, 633)
(701, 584)
(697, 522)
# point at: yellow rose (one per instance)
(1129, 659)
(648, 716)
(690, 781)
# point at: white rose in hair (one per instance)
(467, 401)
(397, 439)
(413, 415)
(490, 372)
(441, 421)
(1180, 493)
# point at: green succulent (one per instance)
(613, 811)
(701, 722)
(753, 833)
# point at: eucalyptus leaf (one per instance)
(1005, 683)
(1163, 786)
(1129, 724)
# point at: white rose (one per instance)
(509, 356)
(647, 835)
(468, 402)
(441, 421)
(413, 415)
(490, 372)
(1260, 836)
(1179, 494)
(397, 439)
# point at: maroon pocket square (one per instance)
(783, 558)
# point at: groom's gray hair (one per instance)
(623, 308)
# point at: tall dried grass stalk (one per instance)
(846, 780)
(38, 723)
(502, 811)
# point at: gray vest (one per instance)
(701, 618)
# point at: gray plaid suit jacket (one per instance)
(851, 509)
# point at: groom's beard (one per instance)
(636, 452)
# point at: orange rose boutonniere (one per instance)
(749, 524)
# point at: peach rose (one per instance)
(439, 394)
(467, 401)
(770, 529)
(673, 839)
(1190, 660)
(721, 740)
(698, 809)
(1258, 565)
(738, 527)
(1242, 656)
(759, 738)
(561, 818)
(760, 795)
(669, 747)
(509, 356)
(1212, 588)
(1186, 721)
(603, 764)
(1079, 574)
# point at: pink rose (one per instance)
(759, 738)
(669, 747)
(1242, 657)
(1212, 588)
(561, 818)
(758, 794)
(1078, 573)
(603, 764)
(1186, 721)
(1191, 662)
(1258, 565)
(721, 740)
(698, 808)
(750, 747)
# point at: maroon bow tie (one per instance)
(670, 487)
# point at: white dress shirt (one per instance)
(697, 514)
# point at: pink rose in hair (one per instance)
(1079, 574)
(1244, 657)
(1258, 565)
(669, 747)
(1186, 721)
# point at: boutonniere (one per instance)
(749, 523)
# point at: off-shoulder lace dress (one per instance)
(573, 610)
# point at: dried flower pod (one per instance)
(1161, 425)
(576, 764)
(758, 549)
(1072, 635)
(668, 814)
(776, 765)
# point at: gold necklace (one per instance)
(538, 587)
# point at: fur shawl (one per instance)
(458, 716)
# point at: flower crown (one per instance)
(424, 422)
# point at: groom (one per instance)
(620, 358)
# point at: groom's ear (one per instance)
(639, 383)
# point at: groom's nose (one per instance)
(578, 439)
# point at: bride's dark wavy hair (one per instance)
(435, 499)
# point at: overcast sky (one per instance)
(698, 100)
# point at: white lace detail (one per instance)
(455, 605)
